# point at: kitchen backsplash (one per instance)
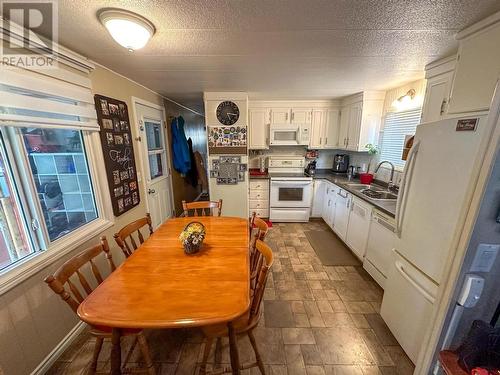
(325, 159)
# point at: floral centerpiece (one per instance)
(192, 237)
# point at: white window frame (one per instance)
(21, 270)
(40, 259)
(397, 167)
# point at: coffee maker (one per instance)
(340, 163)
(311, 168)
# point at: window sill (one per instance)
(22, 270)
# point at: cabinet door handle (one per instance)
(326, 140)
(293, 116)
(320, 140)
(443, 106)
(286, 116)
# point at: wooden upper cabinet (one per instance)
(360, 120)
(259, 120)
(439, 77)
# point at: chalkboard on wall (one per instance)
(118, 151)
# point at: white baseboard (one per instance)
(48, 361)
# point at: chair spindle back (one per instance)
(125, 237)
(261, 229)
(257, 288)
(62, 277)
(202, 208)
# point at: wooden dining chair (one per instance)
(72, 285)
(126, 235)
(202, 208)
(246, 323)
(260, 229)
(250, 224)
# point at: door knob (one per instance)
(151, 191)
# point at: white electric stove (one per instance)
(291, 190)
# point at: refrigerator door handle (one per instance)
(412, 281)
(405, 179)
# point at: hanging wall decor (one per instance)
(227, 139)
(118, 152)
(228, 170)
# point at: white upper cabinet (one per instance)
(360, 120)
(344, 127)
(300, 116)
(325, 128)
(281, 116)
(478, 66)
(258, 137)
(355, 119)
(439, 77)
(317, 129)
(332, 128)
(286, 116)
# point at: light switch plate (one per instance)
(485, 257)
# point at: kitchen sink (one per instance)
(373, 191)
(379, 195)
(359, 187)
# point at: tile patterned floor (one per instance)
(318, 320)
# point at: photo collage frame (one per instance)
(118, 151)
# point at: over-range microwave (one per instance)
(289, 135)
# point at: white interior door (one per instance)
(155, 163)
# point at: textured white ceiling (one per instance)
(274, 48)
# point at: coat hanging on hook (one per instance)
(180, 149)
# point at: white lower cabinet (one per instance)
(259, 197)
(359, 226)
(329, 204)
(341, 213)
(319, 196)
(350, 218)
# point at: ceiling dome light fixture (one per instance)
(128, 29)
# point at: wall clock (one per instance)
(227, 113)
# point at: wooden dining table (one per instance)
(159, 286)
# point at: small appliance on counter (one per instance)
(340, 163)
(311, 168)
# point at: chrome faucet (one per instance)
(390, 184)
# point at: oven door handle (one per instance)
(290, 183)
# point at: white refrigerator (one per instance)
(437, 185)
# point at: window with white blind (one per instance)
(396, 127)
(50, 199)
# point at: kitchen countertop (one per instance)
(258, 176)
(388, 207)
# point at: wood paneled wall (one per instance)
(194, 127)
